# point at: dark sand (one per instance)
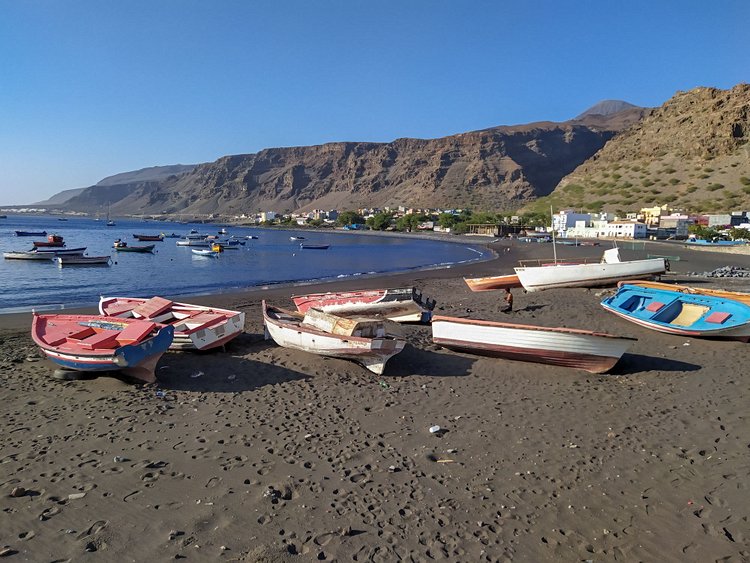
(268, 454)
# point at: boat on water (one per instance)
(122, 246)
(296, 238)
(31, 233)
(251, 237)
(171, 235)
(400, 304)
(304, 246)
(43, 254)
(361, 340)
(91, 343)
(607, 272)
(206, 252)
(594, 352)
(720, 293)
(685, 314)
(196, 327)
(83, 260)
(492, 283)
(222, 231)
(148, 238)
(53, 241)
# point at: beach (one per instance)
(262, 453)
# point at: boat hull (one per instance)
(189, 334)
(493, 283)
(720, 293)
(286, 329)
(539, 278)
(397, 304)
(589, 351)
(83, 260)
(143, 249)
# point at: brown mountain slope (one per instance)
(691, 153)
(498, 168)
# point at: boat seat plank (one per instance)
(117, 309)
(104, 340)
(57, 336)
(135, 332)
(654, 306)
(153, 307)
(718, 317)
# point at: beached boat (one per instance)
(206, 252)
(83, 260)
(715, 242)
(362, 341)
(493, 282)
(196, 327)
(92, 343)
(31, 233)
(40, 254)
(681, 313)
(720, 293)
(53, 241)
(304, 246)
(402, 304)
(591, 351)
(609, 271)
(149, 238)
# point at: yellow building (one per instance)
(650, 215)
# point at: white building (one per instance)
(624, 229)
(267, 215)
(567, 219)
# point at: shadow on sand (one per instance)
(631, 364)
(416, 361)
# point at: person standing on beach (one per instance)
(508, 306)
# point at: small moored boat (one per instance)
(362, 341)
(196, 327)
(83, 260)
(92, 343)
(402, 304)
(122, 246)
(681, 313)
(43, 254)
(304, 246)
(296, 238)
(31, 233)
(53, 241)
(149, 238)
(591, 351)
(206, 252)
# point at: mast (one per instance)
(554, 240)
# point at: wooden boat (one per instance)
(403, 304)
(609, 271)
(83, 260)
(122, 246)
(681, 313)
(148, 238)
(92, 343)
(196, 327)
(362, 341)
(53, 241)
(206, 252)
(31, 233)
(39, 254)
(171, 235)
(591, 351)
(304, 246)
(720, 293)
(493, 283)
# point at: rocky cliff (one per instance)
(691, 153)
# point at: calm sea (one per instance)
(272, 258)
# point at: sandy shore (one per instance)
(267, 454)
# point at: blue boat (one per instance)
(94, 343)
(715, 242)
(681, 313)
(31, 233)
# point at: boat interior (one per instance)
(677, 312)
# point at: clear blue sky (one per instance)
(94, 88)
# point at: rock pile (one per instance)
(724, 272)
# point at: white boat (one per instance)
(591, 351)
(319, 333)
(609, 271)
(402, 304)
(205, 252)
(196, 327)
(38, 254)
(83, 260)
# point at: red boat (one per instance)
(52, 240)
(397, 304)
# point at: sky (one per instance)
(92, 88)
